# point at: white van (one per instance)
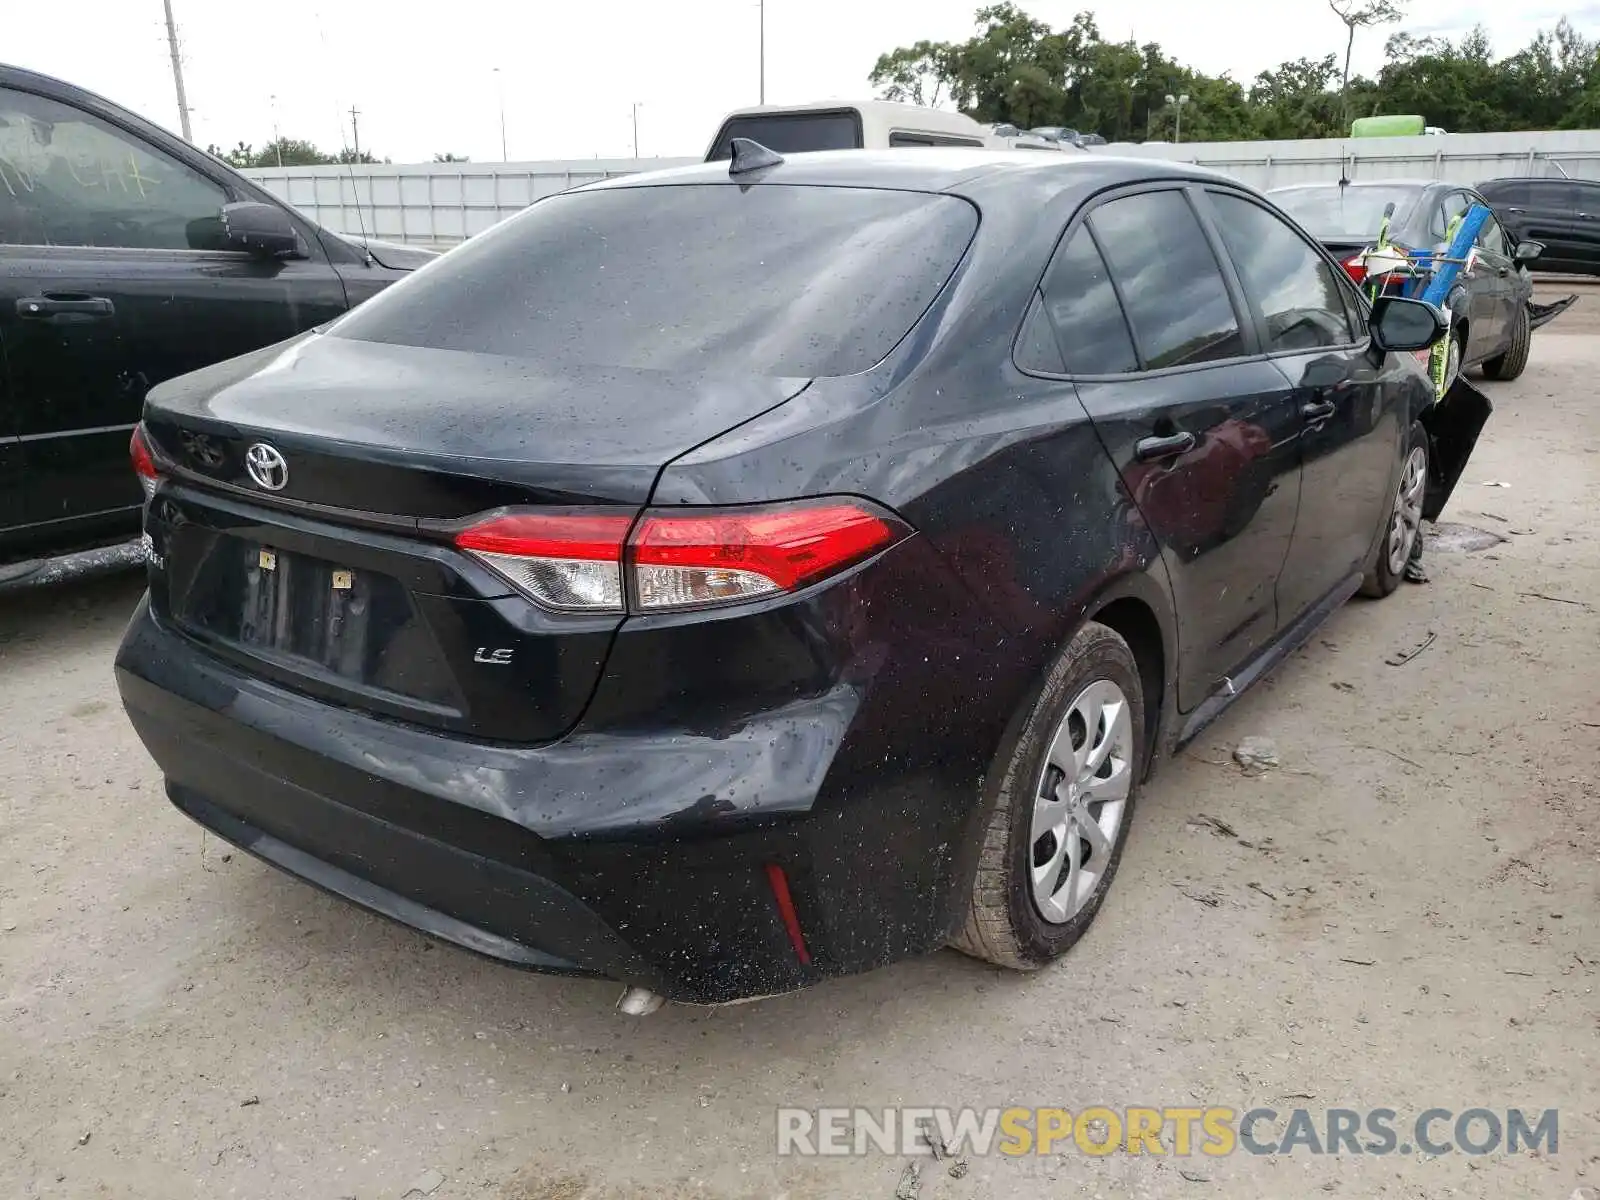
(858, 125)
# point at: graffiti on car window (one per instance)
(67, 158)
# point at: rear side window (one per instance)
(1084, 310)
(1506, 192)
(790, 133)
(771, 280)
(1177, 301)
(1445, 211)
(1295, 290)
(1559, 194)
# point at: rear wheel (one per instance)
(1062, 806)
(1514, 361)
(1404, 521)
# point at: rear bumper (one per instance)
(641, 858)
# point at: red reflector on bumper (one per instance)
(779, 882)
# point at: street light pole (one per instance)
(636, 105)
(761, 5)
(1177, 103)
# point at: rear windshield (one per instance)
(790, 133)
(1352, 213)
(771, 280)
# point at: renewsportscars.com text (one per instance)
(1178, 1131)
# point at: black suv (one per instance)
(1563, 214)
(128, 257)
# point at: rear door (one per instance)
(111, 280)
(1551, 218)
(1586, 225)
(1350, 419)
(1202, 431)
(12, 479)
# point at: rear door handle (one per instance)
(1518, 211)
(1320, 411)
(1151, 449)
(42, 308)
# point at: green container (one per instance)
(1388, 126)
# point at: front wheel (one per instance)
(1403, 524)
(1455, 355)
(1514, 361)
(1062, 807)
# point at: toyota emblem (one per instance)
(266, 466)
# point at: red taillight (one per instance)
(687, 559)
(568, 561)
(678, 558)
(144, 463)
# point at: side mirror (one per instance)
(1527, 252)
(263, 230)
(1401, 324)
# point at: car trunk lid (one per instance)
(413, 433)
(342, 580)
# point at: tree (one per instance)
(240, 156)
(1359, 14)
(1022, 71)
(290, 152)
(1296, 100)
(447, 157)
(919, 74)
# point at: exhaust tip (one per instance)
(639, 1002)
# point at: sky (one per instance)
(430, 77)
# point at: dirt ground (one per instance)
(1406, 913)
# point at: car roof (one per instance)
(70, 93)
(955, 169)
(1391, 184)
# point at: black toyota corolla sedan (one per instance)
(726, 578)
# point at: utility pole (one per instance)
(636, 104)
(761, 5)
(177, 72)
(277, 138)
(500, 90)
(355, 130)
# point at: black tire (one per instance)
(1004, 923)
(1514, 361)
(1387, 568)
(1458, 343)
